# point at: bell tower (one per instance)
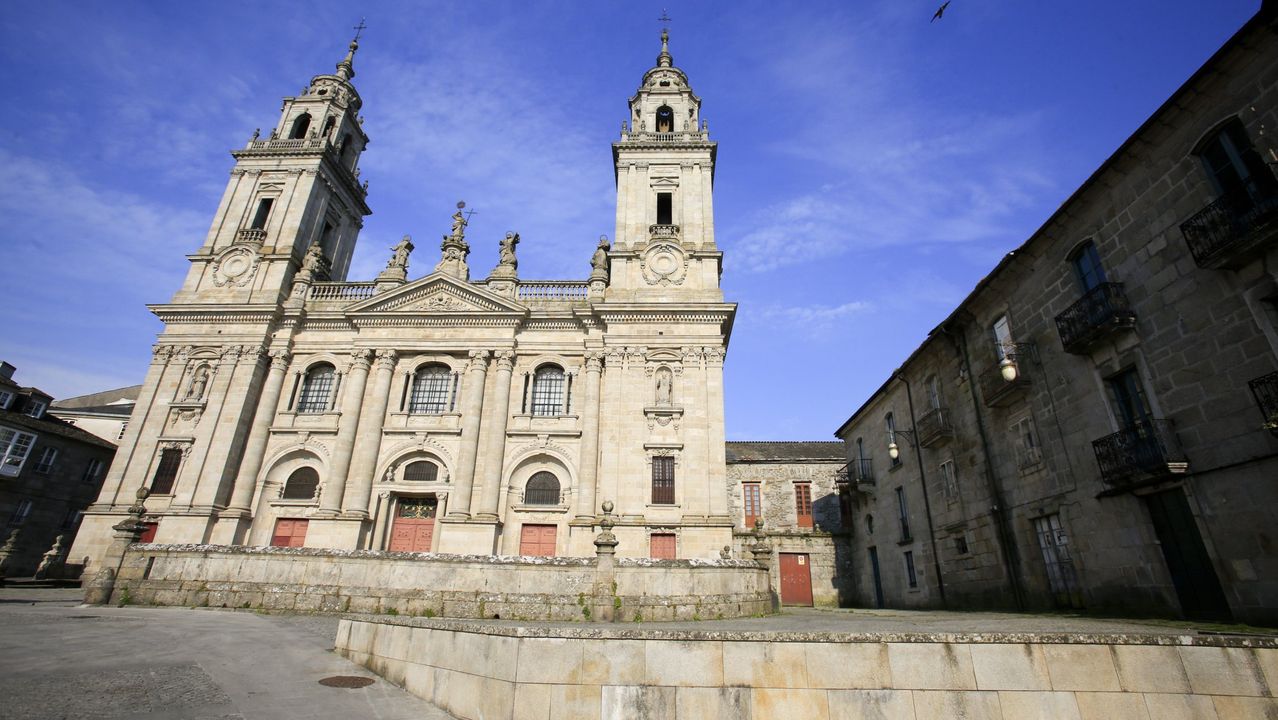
(664, 164)
(295, 187)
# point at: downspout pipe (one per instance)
(1006, 541)
(927, 505)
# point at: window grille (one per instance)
(421, 471)
(542, 489)
(302, 484)
(166, 471)
(430, 390)
(663, 481)
(548, 391)
(316, 389)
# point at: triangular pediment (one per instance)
(438, 294)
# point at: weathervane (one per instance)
(359, 29)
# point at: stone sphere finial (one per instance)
(607, 506)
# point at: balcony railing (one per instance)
(1265, 390)
(553, 291)
(1146, 450)
(665, 137)
(935, 426)
(341, 291)
(999, 392)
(1226, 233)
(1100, 312)
(663, 231)
(251, 236)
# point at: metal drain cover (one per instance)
(346, 681)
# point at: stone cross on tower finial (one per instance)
(346, 68)
(664, 59)
(359, 29)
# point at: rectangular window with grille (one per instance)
(752, 499)
(548, 393)
(903, 513)
(46, 460)
(803, 504)
(911, 576)
(663, 481)
(430, 392)
(166, 471)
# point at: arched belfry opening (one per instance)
(665, 119)
(300, 125)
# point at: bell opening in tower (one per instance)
(665, 213)
(665, 119)
(300, 126)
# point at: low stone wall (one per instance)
(497, 671)
(434, 584)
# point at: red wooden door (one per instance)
(148, 535)
(662, 546)
(537, 540)
(289, 533)
(414, 525)
(796, 579)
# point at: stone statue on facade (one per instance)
(459, 222)
(664, 381)
(52, 561)
(454, 250)
(506, 255)
(199, 381)
(312, 263)
(401, 250)
(599, 261)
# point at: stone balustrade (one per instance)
(343, 292)
(552, 291)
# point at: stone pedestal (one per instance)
(605, 610)
(128, 531)
(473, 536)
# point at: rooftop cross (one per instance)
(664, 19)
(359, 29)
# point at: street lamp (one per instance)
(894, 450)
(1007, 368)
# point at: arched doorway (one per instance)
(414, 525)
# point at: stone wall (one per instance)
(478, 670)
(434, 584)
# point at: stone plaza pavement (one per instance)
(60, 661)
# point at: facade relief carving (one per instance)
(664, 263)
(235, 267)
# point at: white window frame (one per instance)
(15, 448)
(47, 458)
(6, 397)
(37, 409)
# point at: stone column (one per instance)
(587, 472)
(472, 406)
(716, 436)
(364, 464)
(259, 433)
(352, 402)
(495, 448)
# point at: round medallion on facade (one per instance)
(664, 264)
(235, 267)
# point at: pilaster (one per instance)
(334, 487)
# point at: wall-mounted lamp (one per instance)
(1009, 366)
(894, 450)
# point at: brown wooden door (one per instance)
(289, 533)
(796, 579)
(537, 540)
(414, 525)
(662, 546)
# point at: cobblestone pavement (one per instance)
(61, 661)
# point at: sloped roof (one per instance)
(120, 410)
(785, 451)
(52, 426)
(98, 399)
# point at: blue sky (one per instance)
(872, 165)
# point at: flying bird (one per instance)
(940, 11)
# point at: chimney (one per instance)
(6, 371)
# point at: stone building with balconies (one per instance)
(1094, 425)
(287, 405)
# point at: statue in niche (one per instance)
(199, 381)
(313, 262)
(506, 255)
(401, 251)
(665, 380)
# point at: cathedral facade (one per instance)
(287, 405)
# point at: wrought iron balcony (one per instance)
(855, 473)
(1233, 228)
(1144, 451)
(935, 427)
(1099, 313)
(1265, 390)
(998, 391)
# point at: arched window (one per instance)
(302, 484)
(316, 389)
(421, 471)
(542, 489)
(328, 125)
(665, 119)
(431, 390)
(300, 126)
(1234, 167)
(548, 390)
(348, 147)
